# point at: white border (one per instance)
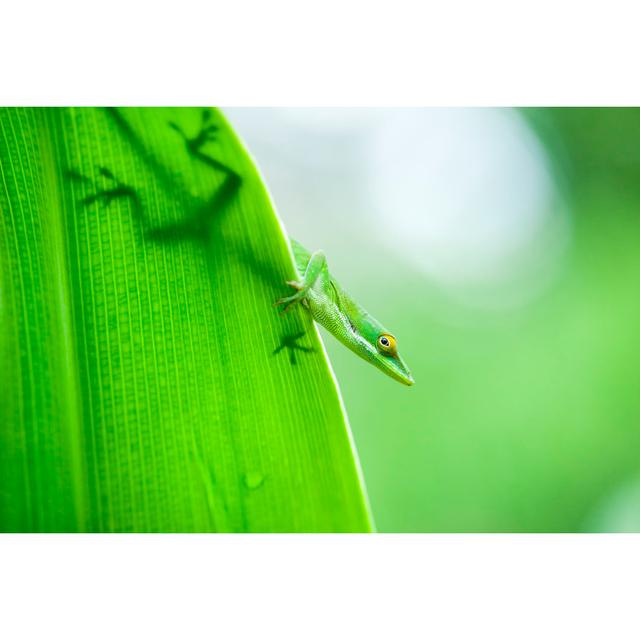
(307, 587)
(335, 52)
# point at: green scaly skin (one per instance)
(335, 310)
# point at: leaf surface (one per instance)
(147, 383)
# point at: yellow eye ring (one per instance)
(387, 344)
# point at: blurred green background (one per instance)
(502, 248)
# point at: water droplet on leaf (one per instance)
(253, 479)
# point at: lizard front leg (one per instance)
(316, 264)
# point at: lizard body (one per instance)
(329, 304)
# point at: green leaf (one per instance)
(148, 384)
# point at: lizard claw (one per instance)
(291, 301)
(295, 284)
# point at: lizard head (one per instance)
(375, 344)
(387, 358)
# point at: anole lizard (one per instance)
(335, 310)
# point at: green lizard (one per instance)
(332, 307)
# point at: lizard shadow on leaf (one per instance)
(206, 220)
(266, 270)
(208, 133)
(196, 225)
(289, 342)
(115, 190)
(202, 225)
(139, 147)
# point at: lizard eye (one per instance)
(387, 344)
